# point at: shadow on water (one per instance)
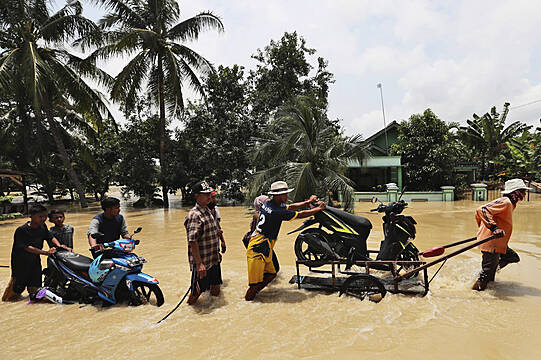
(281, 295)
(506, 290)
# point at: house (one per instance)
(379, 169)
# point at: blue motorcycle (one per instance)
(114, 276)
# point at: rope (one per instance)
(176, 307)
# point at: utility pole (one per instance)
(384, 122)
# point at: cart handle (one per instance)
(438, 250)
(443, 258)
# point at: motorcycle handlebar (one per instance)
(400, 205)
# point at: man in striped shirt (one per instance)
(496, 218)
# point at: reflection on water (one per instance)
(451, 321)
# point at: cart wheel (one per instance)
(305, 252)
(410, 253)
(362, 286)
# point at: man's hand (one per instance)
(201, 270)
(498, 232)
(220, 232)
(51, 251)
(223, 246)
(98, 248)
(65, 247)
(313, 199)
(321, 205)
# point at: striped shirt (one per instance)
(201, 227)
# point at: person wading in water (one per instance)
(496, 218)
(261, 269)
(203, 245)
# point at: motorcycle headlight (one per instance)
(127, 247)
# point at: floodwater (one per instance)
(452, 321)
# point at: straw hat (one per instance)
(514, 184)
(279, 187)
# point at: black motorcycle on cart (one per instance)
(345, 235)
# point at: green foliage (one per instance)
(304, 148)
(487, 137)
(217, 135)
(98, 157)
(523, 157)
(283, 72)
(162, 65)
(428, 152)
(137, 148)
(11, 216)
(6, 199)
(37, 73)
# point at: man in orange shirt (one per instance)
(497, 218)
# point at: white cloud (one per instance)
(455, 57)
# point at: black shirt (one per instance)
(23, 261)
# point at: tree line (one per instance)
(248, 128)
(432, 149)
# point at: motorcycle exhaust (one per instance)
(320, 246)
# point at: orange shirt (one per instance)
(497, 214)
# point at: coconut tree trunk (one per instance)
(163, 163)
(65, 158)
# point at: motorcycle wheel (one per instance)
(144, 293)
(305, 252)
(362, 286)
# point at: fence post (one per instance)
(448, 193)
(479, 192)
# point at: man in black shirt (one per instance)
(110, 223)
(27, 247)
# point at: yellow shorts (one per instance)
(259, 255)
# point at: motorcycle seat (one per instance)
(74, 261)
(357, 222)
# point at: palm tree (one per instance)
(149, 31)
(307, 150)
(488, 136)
(40, 73)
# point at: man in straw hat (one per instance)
(261, 270)
(497, 218)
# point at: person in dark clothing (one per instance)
(261, 270)
(62, 232)
(26, 251)
(258, 203)
(110, 223)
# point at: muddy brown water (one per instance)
(452, 321)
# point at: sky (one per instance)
(454, 57)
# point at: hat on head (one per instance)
(201, 187)
(514, 184)
(279, 187)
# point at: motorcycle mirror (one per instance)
(402, 193)
(138, 230)
(374, 200)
